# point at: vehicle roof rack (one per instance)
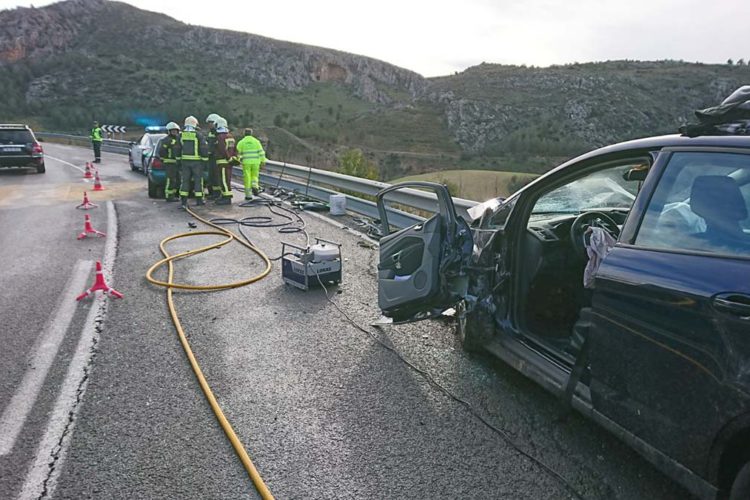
(731, 117)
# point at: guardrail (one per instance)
(108, 145)
(317, 184)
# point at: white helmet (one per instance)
(191, 121)
(172, 126)
(212, 118)
(221, 122)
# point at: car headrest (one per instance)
(717, 197)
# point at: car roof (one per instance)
(671, 141)
(14, 126)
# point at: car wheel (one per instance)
(132, 165)
(741, 485)
(474, 328)
(40, 169)
(152, 189)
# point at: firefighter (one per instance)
(226, 158)
(192, 157)
(96, 142)
(169, 151)
(213, 170)
(252, 156)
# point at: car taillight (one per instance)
(36, 148)
(156, 163)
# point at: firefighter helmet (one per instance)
(191, 121)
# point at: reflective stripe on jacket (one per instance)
(250, 151)
(192, 146)
(211, 139)
(169, 149)
(226, 149)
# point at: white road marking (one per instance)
(44, 352)
(65, 163)
(45, 470)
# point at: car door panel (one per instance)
(408, 269)
(421, 268)
(654, 368)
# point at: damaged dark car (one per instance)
(620, 281)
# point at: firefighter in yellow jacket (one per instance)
(252, 157)
(193, 158)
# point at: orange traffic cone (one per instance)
(88, 175)
(86, 203)
(88, 229)
(100, 284)
(98, 183)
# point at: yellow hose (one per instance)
(263, 490)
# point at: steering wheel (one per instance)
(583, 222)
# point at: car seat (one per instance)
(718, 200)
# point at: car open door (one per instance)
(422, 269)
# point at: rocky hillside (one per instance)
(70, 45)
(68, 63)
(558, 110)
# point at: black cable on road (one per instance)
(469, 407)
(291, 224)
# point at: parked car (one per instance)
(19, 148)
(658, 351)
(157, 174)
(142, 150)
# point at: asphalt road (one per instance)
(323, 409)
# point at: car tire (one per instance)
(153, 189)
(132, 165)
(741, 485)
(40, 169)
(474, 329)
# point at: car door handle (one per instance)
(733, 303)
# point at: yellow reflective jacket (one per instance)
(250, 151)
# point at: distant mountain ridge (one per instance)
(73, 61)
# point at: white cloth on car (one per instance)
(598, 246)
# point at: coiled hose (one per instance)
(168, 260)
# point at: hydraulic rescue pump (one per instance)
(310, 267)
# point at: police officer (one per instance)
(169, 151)
(252, 156)
(96, 142)
(226, 158)
(192, 157)
(213, 169)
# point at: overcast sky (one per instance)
(438, 37)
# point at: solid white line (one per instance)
(44, 352)
(65, 163)
(45, 470)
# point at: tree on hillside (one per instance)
(353, 162)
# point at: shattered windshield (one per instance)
(602, 189)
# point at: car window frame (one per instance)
(633, 226)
